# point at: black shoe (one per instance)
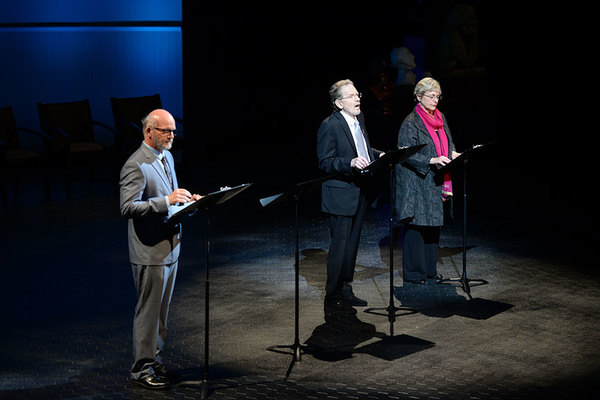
(352, 300)
(419, 281)
(162, 372)
(337, 304)
(152, 382)
(436, 277)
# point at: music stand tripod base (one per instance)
(207, 202)
(460, 163)
(464, 282)
(384, 164)
(294, 194)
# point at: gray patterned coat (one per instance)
(418, 199)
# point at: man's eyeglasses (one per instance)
(351, 96)
(166, 131)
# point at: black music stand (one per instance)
(383, 164)
(295, 194)
(460, 163)
(207, 202)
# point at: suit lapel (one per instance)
(346, 129)
(342, 121)
(158, 167)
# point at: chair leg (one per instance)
(4, 196)
(47, 190)
(16, 187)
(92, 174)
(68, 181)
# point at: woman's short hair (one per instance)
(425, 85)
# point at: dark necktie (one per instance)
(167, 170)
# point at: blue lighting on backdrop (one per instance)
(66, 50)
(69, 11)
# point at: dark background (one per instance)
(251, 83)
(256, 81)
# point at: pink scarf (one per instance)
(435, 127)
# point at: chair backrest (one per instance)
(131, 110)
(8, 128)
(74, 117)
(127, 116)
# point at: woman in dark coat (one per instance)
(419, 197)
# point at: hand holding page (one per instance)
(461, 159)
(390, 158)
(207, 201)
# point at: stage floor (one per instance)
(530, 332)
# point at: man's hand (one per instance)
(181, 196)
(359, 162)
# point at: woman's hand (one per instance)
(439, 162)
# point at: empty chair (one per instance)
(14, 157)
(71, 130)
(127, 116)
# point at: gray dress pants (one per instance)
(154, 285)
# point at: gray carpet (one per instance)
(530, 332)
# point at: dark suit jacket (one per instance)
(335, 150)
(153, 238)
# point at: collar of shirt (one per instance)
(350, 119)
(158, 154)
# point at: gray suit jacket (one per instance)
(153, 239)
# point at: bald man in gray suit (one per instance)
(148, 187)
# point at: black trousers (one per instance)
(345, 237)
(420, 251)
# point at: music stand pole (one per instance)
(464, 280)
(294, 194)
(296, 346)
(205, 381)
(206, 202)
(392, 308)
(387, 163)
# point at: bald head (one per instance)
(156, 117)
(158, 127)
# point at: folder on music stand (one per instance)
(391, 158)
(461, 160)
(295, 191)
(209, 200)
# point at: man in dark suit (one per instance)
(148, 187)
(343, 148)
